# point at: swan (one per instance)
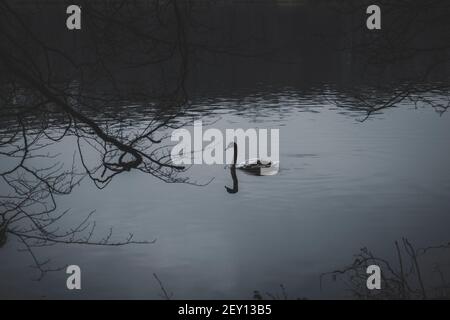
(254, 166)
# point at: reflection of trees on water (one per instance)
(412, 275)
(404, 61)
(375, 99)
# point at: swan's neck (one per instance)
(235, 153)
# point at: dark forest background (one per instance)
(216, 45)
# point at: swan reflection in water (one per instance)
(256, 167)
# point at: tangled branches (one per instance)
(55, 132)
(404, 280)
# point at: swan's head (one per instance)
(230, 145)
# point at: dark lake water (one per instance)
(343, 184)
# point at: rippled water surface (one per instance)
(344, 184)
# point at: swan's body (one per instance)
(255, 166)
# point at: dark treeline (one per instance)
(227, 45)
